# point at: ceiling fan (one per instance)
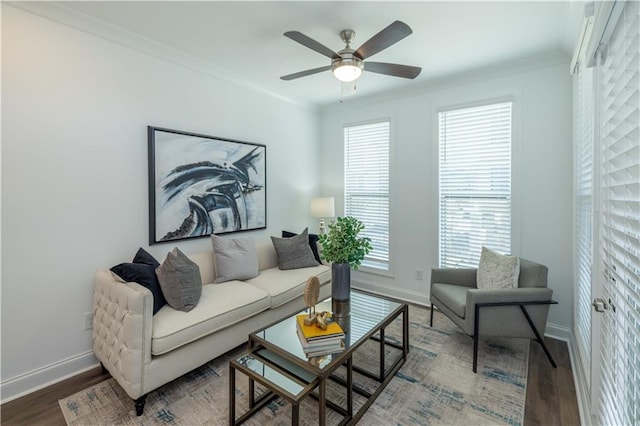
(347, 64)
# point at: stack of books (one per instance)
(316, 341)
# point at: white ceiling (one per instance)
(245, 38)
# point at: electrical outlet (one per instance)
(88, 320)
(419, 274)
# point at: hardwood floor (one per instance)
(551, 395)
(41, 407)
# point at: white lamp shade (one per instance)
(322, 207)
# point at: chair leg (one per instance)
(546, 351)
(538, 337)
(139, 403)
(476, 329)
(431, 322)
(475, 353)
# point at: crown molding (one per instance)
(72, 18)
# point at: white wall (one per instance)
(542, 165)
(74, 175)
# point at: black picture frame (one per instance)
(201, 185)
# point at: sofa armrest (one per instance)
(458, 276)
(122, 322)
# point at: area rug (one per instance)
(435, 386)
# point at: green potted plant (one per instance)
(344, 250)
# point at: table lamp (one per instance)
(322, 207)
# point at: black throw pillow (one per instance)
(313, 243)
(143, 257)
(143, 271)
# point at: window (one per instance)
(366, 186)
(474, 183)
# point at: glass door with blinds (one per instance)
(584, 133)
(618, 75)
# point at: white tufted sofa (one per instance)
(142, 351)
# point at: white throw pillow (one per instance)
(234, 258)
(497, 270)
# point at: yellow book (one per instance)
(323, 343)
(311, 332)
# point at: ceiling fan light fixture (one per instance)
(347, 65)
(347, 69)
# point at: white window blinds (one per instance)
(474, 183)
(619, 98)
(583, 156)
(366, 171)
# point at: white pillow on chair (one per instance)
(497, 270)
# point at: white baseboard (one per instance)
(558, 332)
(580, 382)
(48, 375)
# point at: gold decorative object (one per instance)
(311, 294)
(321, 319)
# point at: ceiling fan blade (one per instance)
(396, 70)
(305, 73)
(395, 32)
(311, 44)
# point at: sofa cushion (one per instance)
(313, 243)
(453, 296)
(234, 258)
(285, 285)
(220, 306)
(180, 281)
(142, 271)
(294, 252)
(496, 270)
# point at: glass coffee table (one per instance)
(276, 360)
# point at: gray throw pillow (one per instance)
(496, 270)
(180, 281)
(234, 258)
(294, 252)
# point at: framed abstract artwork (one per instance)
(201, 185)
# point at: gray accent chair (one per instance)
(515, 312)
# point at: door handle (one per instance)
(600, 305)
